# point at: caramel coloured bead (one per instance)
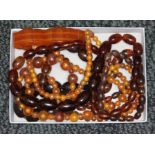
(74, 117)
(37, 62)
(72, 78)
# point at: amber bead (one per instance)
(115, 38)
(27, 111)
(115, 95)
(72, 78)
(24, 72)
(142, 99)
(122, 98)
(46, 69)
(132, 96)
(104, 48)
(82, 55)
(18, 62)
(87, 115)
(18, 110)
(29, 54)
(133, 85)
(51, 59)
(43, 115)
(37, 62)
(138, 49)
(59, 117)
(128, 38)
(42, 50)
(28, 79)
(65, 65)
(83, 97)
(29, 91)
(29, 100)
(13, 75)
(74, 117)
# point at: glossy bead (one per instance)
(55, 47)
(29, 101)
(137, 60)
(43, 116)
(138, 49)
(31, 119)
(42, 50)
(28, 111)
(115, 38)
(83, 98)
(37, 62)
(133, 85)
(132, 96)
(29, 54)
(115, 95)
(82, 55)
(127, 53)
(87, 115)
(74, 117)
(51, 59)
(107, 87)
(97, 64)
(18, 62)
(115, 112)
(29, 91)
(128, 38)
(140, 80)
(13, 75)
(59, 117)
(137, 115)
(66, 106)
(65, 65)
(47, 104)
(65, 88)
(72, 78)
(15, 89)
(128, 61)
(24, 72)
(122, 98)
(42, 79)
(104, 48)
(125, 107)
(104, 115)
(142, 99)
(28, 79)
(46, 69)
(73, 48)
(140, 108)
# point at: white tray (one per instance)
(103, 33)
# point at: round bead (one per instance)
(87, 115)
(27, 111)
(46, 69)
(59, 117)
(72, 78)
(24, 72)
(65, 65)
(51, 59)
(43, 115)
(74, 117)
(37, 62)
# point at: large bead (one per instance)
(37, 62)
(51, 59)
(18, 62)
(13, 75)
(83, 98)
(115, 38)
(29, 54)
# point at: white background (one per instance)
(77, 144)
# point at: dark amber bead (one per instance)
(141, 90)
(128, 61)
(24, 72)
(135, 72)
(42, 50)
(18, 62)
(104, 115)
(138, 49)
(47, 87)
(104, 48)
(113, 118)
(140, 80)
(137, 115)
(55, 47)
(59, 117)
(31, 119)
(42, 79)
(18, 111)
(66, 106)
(137, 60)
(93, 82)
(115, 95)
(82, 55)
(29, 101)
(125, 107)
(129, 118)
(133, 85)
(65, 88)
(83, 98)
(140, 108)
(29, 54)
(132, 96)
(98, 64)
(47, 104)
(95, 50)
(13, 75)
(51, 59)
(128, 38)
(115, 38)
(73, 48)
(121, 119)
(142, 99)
(46, 69)
(115, 112)
(15, 89)
(127, 53)
(37, 62)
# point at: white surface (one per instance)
(61, 76)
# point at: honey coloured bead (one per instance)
(24, 72)
(74, 117)
(27, 111)
(65, 65)
(87, 115)
(43, 115)
(122, 98)
(18, 62)
(37, 62)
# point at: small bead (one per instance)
(59, 117)
(74, 117)
(43, 115)
(72, 78)
(27, 111)
(65, 65)
(51, 59)
(87, 115)
(37, 62)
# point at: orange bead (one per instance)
(27, 111)
(110, 79)
(122, 98)
(65, 65)
(116, 82)
(74, 117)
(43, 115)
(120, 86)
(117, 103)
(87, 115)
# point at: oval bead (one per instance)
(138, 49)
(142, 99)
(129, 118)
(82, 55)
(29, 54)
(104, 48)
(37, 62)
(46, 69)
(31, 119)
(47, 104)
(55, 47)
(133, 85)
(83, 98)
(104, 115)
(15, 89)
(65, 88)
(51, 59)
(13, 75)
(73, 48)
(115, 95)
(42, 50)
(128, 38)
(66, 106)
(18, 111)
(132, 96)
(18, 62)
(29, 101)
(125, 107)
(116, 112)
(137, 115)
(115, 38)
